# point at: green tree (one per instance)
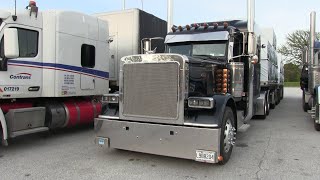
(291, 73)
(294, 46)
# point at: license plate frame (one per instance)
(206, 156)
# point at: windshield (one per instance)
(203, 49)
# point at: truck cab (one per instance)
(54, 67)
(191, 101)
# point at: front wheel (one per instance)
(227, 137)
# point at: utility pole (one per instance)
(170, 15)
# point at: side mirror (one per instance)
(11, 43)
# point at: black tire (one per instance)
(268, 105)
(305, 106)
(282, 93)
(277, 97)
(317, 126)
(272, 106)
(227, 117)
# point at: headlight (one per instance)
(201, 102)
(111, 98)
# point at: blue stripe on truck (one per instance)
(93, 72)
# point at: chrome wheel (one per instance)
(229, 136)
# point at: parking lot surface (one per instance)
(284, 146)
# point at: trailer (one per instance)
(270, 69)
(310, 81)
(127, 28)
(191, 101)
(54, 70)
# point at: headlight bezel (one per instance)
(111, 98)
(201, 102)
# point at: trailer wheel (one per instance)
(305, 106)
(267, 104)
(316, 126)
(277, 97)
(227, 137)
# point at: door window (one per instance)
(28, 43)
(88, 56)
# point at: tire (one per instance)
(272, 106)
(317, 126)
(268, 105)
(282, 94)
(228, 125)
(305, 106)
(277, 97)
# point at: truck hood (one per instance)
(4, 14)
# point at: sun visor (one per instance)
(209, 36)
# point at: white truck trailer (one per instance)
(127, 28)
(270, 68)
(53, 70)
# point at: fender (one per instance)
(221, 102)
(4, 127)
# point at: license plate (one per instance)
(206, 156)
(101, 142)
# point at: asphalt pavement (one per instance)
(284, 146)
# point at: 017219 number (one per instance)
(11, 89)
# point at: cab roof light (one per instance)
(173, 28)
(32, 3)
(180, 28)
(195, 25)
(205, 25)
(188, 27)
(215, 25)
(225, 25)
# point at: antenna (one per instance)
(14, 17)
(142, 4)
(124, 4)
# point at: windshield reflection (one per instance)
(203, 49)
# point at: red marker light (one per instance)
(195, 25)
(215, 25)
(225, 25)
(32, 3)
(205, 25)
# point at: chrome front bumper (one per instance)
(167, 140)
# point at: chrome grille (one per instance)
(151, 90)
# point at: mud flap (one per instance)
(4, 129)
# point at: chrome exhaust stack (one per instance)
(251, 17)
(170, 15)
(312, 37)
(251, 53)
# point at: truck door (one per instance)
(88, 61)
(23, 77)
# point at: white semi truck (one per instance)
(190, 102)
(54, 68)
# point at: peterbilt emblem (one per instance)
(21, 76)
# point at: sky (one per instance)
(285, 16)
